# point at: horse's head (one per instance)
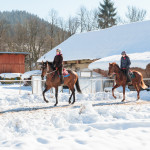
(46, 67)
(113, 68)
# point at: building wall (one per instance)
(12, 63)
(77, 65)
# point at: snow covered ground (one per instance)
(95, 121)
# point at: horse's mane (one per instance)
(50, 64)
(115, 64)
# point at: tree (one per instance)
(91, 20)
(135, 14)
(53, 23)
(4, 28)
(107, 14)
(82, 16)
(72, 25)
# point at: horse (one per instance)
(121, 80)
(53, 80)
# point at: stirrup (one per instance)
(129, 83)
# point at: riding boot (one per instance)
(62, 79)
(129, 81)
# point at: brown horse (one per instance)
(121, 80)
(53, 80)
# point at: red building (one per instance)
(12, 62)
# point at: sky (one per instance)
(66, 8)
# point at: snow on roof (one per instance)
(131, 38)
(24, 53)
(31, 73)
(10, 75)
(140, 60)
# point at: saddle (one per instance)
(131, 74)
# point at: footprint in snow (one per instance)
(42, 141)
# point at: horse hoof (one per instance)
(115, 97)
(123, 100)
(72, 103)
(55, 105)
(46, 101)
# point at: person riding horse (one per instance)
(58, 64)
(125, 65)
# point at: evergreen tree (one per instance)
(107, 14)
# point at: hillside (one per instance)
(15, 17)
(25, 32)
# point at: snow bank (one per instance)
(137, 60)
(30, 73)
(132, 38)
(10, 75)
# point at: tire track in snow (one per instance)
(66, 106)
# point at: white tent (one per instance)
(132, 38)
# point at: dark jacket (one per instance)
(125, 62)
(58, 61)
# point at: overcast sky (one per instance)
(66, 8)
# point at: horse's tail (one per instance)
(78, 86)
(143, 84)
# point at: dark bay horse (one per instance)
(53, 80)
(121, 80)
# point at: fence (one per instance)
(87, 85)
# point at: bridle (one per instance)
(44, 67)
(50, 72)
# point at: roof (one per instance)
(140, 60)
(102, 43)
(23, 53)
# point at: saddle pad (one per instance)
(65, 75)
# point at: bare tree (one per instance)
(82, 16)
(4, 27)
(53, 23)
(72, 25)
(19, 38)
(135, 14)
(61, 34)
(91, 22)
(36, 38)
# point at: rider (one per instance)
(125, 65)
(58, 64)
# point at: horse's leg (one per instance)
(46, 89)
(137, 89)
(138, 92)
(56, 95)
(124, 86)
(70, 98)
(73, 92)
(114, 89)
